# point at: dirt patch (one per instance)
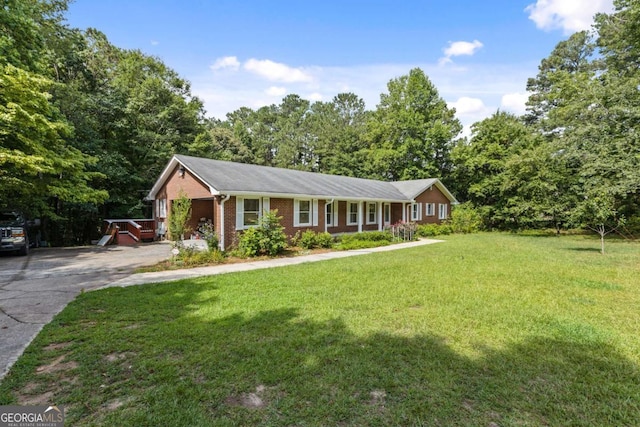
(117, 403)
(57, 365)
(57, 346)
(378, 397)
(254, 400)
(42, 399)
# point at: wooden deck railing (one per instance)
(138, 229)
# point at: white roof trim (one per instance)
(165, 175)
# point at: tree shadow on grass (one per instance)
(183, 366)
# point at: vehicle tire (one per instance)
(25, 249)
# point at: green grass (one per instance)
(488, 329)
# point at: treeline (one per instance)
(86, 128)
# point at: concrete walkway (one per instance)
(171, 275)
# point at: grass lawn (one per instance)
(481, 330)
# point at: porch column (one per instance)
(360, 216)
(404, 212)
(380, 216)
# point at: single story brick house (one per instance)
(232, 196)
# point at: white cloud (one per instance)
(458, 49)
(466, 105)
(275, 71)
(226, 62)
(155, 42)
(476, 91)
(515, 102)
(276, 91)
(314, 97)
(567, 15)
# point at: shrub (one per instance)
(308, 239)
(189, 256)
(370, 239)
(430, 230)
(210, 236)
(324, 240)
(465, 219)
(267, 238)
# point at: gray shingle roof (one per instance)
(240, 178)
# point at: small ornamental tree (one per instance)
(598, 213)
(180, 215)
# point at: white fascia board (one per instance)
(165, 175)
(161, 180)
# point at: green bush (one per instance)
(371, 236)
(308, 239)
(430, 230)
(210, 236)
(267, 238)
(465, 219)
(324, 240)
(370, 239)
(192, 257)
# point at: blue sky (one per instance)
(479, 54)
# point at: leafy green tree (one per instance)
(220, 142)
(412, 131)
(480, 165)
(337, 128)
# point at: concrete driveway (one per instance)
(33, 289)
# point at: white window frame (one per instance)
(351, 212)
(374, 212)
(443, 211)
(161, 208)
(386, 213)
(313, 213)
(331, 214)
(416, 211)
(240, 212)
(430, 209)
(297, 212)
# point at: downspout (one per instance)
(222, 201)
(327, 203)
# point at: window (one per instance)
(302, 212)
(416, 211)
(372, 213)
(251, 212)
(430, 208)
(387, 213)
(442, 211)
(352, 213)
(331, 216)
(161, 208)
(305, 213)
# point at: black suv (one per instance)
(13, 233)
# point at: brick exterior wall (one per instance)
(205, 205)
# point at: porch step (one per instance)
(126, 240)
